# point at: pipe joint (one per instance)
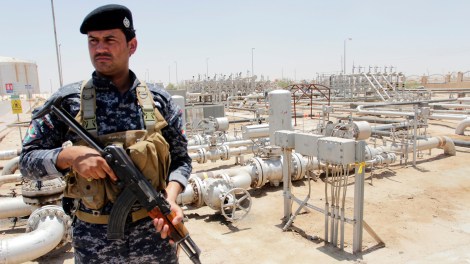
(51, 212)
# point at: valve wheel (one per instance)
(236, 204)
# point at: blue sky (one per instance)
(291, 38)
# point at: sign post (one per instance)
(17, 109)
(28, 88)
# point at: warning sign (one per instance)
(9, 88)
(16, 106)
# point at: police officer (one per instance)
(111, 42)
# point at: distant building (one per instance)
(18, 77)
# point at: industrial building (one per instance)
(18, 77)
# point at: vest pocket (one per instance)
(92, 192)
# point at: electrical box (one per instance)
(327, 109)
(337, 150)
(425, 112)
(307, 144)
(284, 139)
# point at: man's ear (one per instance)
(132, 46)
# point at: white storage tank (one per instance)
(280, 116)
(18, 77)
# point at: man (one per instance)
(111, 42)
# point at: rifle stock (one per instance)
(135, 186)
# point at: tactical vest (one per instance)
(148, 149)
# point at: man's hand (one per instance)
(172, 190)
(87, 162)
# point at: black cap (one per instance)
(109, 17)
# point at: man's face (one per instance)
(109, 51)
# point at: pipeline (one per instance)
(10, 166)
(10, 178)
(230, 144)
(460, 130)
(248, 120)
(198, 140)
(223, 153)
(461, 143)
(385, 155)
(256, 174)
(9, 154)
(15, 207)
(48, 228)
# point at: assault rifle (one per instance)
(135, 187)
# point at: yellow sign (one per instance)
(16, 106)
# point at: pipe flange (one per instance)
(260, 180)
(297, 172)
(196, 184)
(52, 211)
(224, 152)
(198, 140)
(42, 192)
(202, 154)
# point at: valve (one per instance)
(235, 204)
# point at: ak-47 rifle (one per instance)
(135, 187)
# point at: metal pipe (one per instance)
(223, 153)
(247, 120)
(238, 143)
(9, 154)
(452, 105)
(460, 130)
(442, 142)
(258, 172)
(197, 140)
(15, 207)
(461, 143)
(255, 131)
(47, 228)
(10, 166)
(10, 178)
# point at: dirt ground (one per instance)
(420, 213)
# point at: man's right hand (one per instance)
(87, 162)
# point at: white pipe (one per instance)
(15, 207)
(10, 166)
(452, 105)
(229, 143)
(223, 153)
(460, 130)
(256, 174)
(255, 131)
(360, 109)
(47, 227)
(448, 116)
(10, 178)
(198, 140)
(8, 154)
(442, 142)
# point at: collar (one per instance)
(104, 84)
